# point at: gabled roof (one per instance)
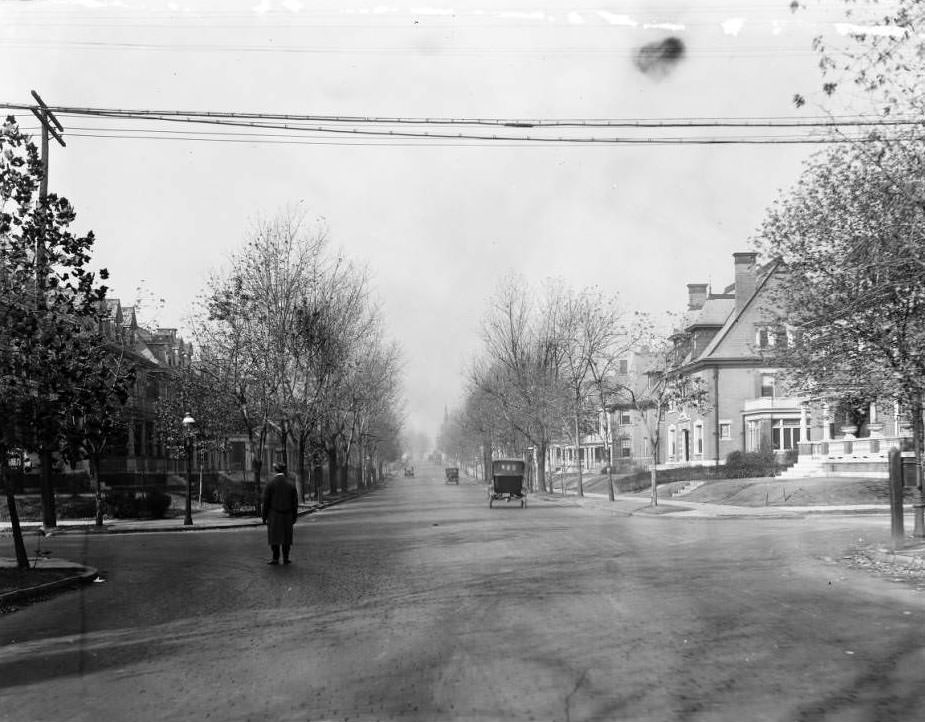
(765, 274)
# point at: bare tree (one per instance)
(593, 334)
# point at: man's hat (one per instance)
(279, 468)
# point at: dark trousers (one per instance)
(275, 549)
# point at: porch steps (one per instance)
(871, 468)
(803, 468)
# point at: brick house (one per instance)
(727, 337)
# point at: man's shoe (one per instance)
(273, 561)
(287, 561)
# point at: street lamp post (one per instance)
(188, 422)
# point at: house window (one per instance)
(624, 418)
(785, 434)
(626, 449)
(753, 436)
(624, 366)
(725, 430)
(762, 338)
(152, 388)
(139, 434)
(698, 438)
(767, 385)
(672, 442)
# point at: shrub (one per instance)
(136, 503)
(157, 503)
(77, 507)
(240, 499)
(741, 465)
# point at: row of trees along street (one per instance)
(849, 237)
(290, 344)
(293, 346)
(549, 365)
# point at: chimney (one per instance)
(696, 296)
(746, 279)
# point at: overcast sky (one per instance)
(438, 223)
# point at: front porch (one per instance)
(848, 456)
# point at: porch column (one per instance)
(826, 428)
(874, 426)
(804, 436)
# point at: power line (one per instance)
(643, 123)
(282, 126)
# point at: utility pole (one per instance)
(50, 126)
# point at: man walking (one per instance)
(280, 509)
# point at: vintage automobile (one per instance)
(507, 482)
(452, 475)
(409, 471)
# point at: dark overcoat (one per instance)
(280, 509)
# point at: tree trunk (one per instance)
(653, 474)
(342, 472)
(300, 479)
(318, 481)
(333, 470)
(918, 501)
(581, 488)
(97, 486)
(22, 559)
(362, 480)
(256, 467)
(541, 466)
(49, 516)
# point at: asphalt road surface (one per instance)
(418, 602)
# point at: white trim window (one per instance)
(698, 438)
(767, 385)
(785, 434)
(725, 430)
(752, 435)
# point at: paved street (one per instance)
(417, 602)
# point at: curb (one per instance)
(700, 510)
(904, 560)
(91, 528)
(83, 575)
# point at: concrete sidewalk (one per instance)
(203, 520)
(631, 504)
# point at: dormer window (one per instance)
(773, 336)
